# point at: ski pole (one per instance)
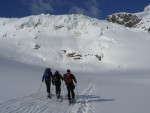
(39, 89)
(76, 91)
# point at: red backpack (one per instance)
(68, 78)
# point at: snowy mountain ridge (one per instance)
(34, 36)
(70, 40)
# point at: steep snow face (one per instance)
(54, 40)
(68, 41)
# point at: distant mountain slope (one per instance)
(67, 41)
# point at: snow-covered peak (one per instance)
(147, 8)
(145, 22)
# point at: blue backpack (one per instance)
(47, 74)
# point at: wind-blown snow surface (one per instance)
(119, 83)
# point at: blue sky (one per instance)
(93, 8)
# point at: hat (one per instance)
(68, 70)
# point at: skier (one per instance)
(57, 82)
(69, 81)
(47, 76)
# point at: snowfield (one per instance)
(111, 63)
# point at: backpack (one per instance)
(68, 78)
(47, 74)
(56, 77)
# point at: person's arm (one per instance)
(51, 74)
(74, 78)
(53, 81)
(64, 77)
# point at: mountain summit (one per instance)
(147, 8)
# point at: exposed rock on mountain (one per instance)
(126, 19)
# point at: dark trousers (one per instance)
(58, 87)
(71, 94)
(47, 86)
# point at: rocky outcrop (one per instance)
(77, 56)
(74, 55)
(126, 19)
(37, 46)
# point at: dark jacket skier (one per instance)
(69, 81)
(47, 77)
(57, 82)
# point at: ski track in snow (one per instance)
(40, 104)
(84, 105)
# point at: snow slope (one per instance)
(60, 35)
(110, 62)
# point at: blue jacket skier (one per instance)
(47, 77)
